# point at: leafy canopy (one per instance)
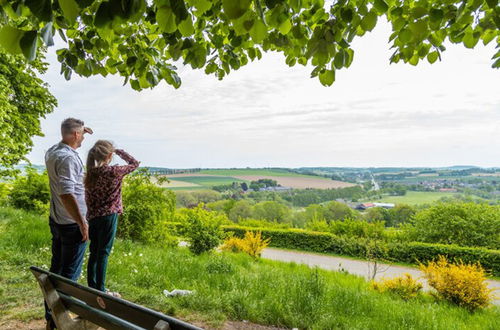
(141, 40)
(24, 99)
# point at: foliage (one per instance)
(31, 191)
(404, 286)
(220, 36)
(400, 214)
(462, 284)
(262, 223)
(203, 229)
(408, 252)
(4, 192)
(338, 211)
(271, 211)
(146, 210)
(466, 224)
(240, 210)
(349, 228)
(24, 99)
(305, 197)
(252, 244)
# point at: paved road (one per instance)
(356, 267)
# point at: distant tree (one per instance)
(271, 211)
(244, 186)
(242, 209)
(377, 214)
(185, 199)
(400, 214)
(339, 211)
(206, 196)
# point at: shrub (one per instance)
(465, 224)
(31, 191)
(252, 244)
(147, 208)
(412, 252)
(404, 286)
(4, 193)
(271, 211)
(203, 229)
(462, 284)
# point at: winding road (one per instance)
(356, 267)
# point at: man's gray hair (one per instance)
(70, 125)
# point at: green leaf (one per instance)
(103, 16)
(10, 38)
(179, 9)
(186, 27)
(346, 14)
(496, 64)
(70, 9)
(47, 34)
(369, 21)
(492, 3)
(436, 15)
(469, 40)
(488, 36)
(235, 8)
(285, 27)
(327, 77)
(258, 32)
(166, 19)
(201, 6)
(42, 9)
(432, 57)
(381, 6)
(339, 59)
(405, 36)
(28, 44)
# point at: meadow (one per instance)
(416, 197)
(226, 286)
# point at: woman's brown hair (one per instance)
(97, 157)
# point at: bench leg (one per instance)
(60, 315)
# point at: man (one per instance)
(68, 225)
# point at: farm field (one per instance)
(416, 197)
(210, 178)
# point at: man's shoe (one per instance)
(50, 325)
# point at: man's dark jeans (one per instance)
(102, 231)
(67, 253)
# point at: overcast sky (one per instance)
(267, 114)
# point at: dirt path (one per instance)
(357, 267)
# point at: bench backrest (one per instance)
(62, 295)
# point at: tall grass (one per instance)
(226, 286)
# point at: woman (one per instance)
(103, 194)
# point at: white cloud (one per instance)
(267, 114)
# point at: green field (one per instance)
(208, 181)
(263, 172)
(416, 197)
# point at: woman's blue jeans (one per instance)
(102, 231)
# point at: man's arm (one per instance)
(70, 204)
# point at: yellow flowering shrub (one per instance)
(252, 244)
(404, 286)
(462, 284)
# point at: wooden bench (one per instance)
(97, 309)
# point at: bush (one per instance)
(404, 286)
(203, 229)
(462, 284)
(147, 208)
(252, 244)
(4, 193)
(413, 252)
(31, 191)
(465, 224)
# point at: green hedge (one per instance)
(413, 252)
